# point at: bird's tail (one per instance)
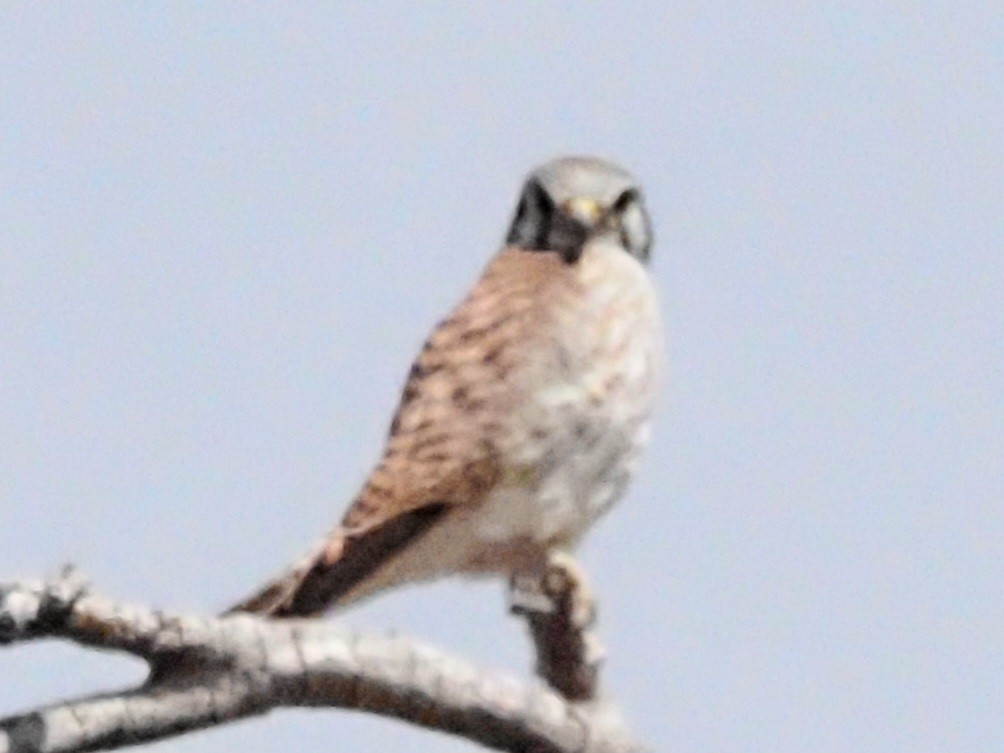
(348, 565)
(275, 597)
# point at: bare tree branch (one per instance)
(212, 671)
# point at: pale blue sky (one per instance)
(224, 232)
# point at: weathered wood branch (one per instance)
(215, 670)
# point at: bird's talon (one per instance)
(566, 584)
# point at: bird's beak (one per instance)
(583, 210)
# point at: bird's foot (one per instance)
(566, 585)
(527, 596)
(559, 608)
(562, 589)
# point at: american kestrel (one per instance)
(523, 416)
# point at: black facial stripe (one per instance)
(544, 203)
(545, 213)
(521, 210)
(624, 200)
(572, 254)
(541, 240)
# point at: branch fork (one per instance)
(209, 671)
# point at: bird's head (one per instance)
(570, 201)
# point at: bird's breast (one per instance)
(586, 396)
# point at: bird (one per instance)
(523, 417)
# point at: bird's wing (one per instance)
(442, 451)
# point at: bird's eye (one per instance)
(625, 200)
